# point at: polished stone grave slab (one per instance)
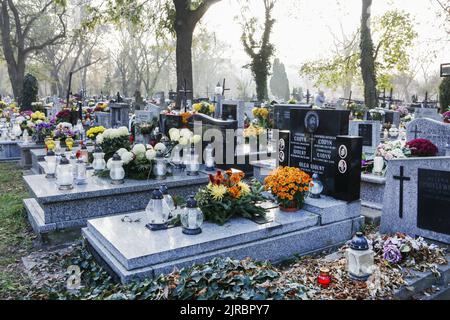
(417, 198)
(9, 150)
(51, 209)
(133, 252)
(37, 157)
(372, 190)
(25, 154)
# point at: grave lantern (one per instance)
(209, 158)
(158, 212)
(316, 187)
(192, 218)
(25, 137)
(99, 162)
(167, 197)
(81, 177)
(324, 278)
(16, 130)
(64, 174)
(117, 173)
(50, 162)
(218, 90)
(378, 165)
(177, 160)
(160, 167)
(360, 258)
(84, 154)
(192, 164)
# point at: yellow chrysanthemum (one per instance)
(217, 191)
(245, 189)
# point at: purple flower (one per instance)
(391, 253)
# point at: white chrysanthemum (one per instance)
(99, 139)
(195, 139)
(150, 154)
(160, 147)
(121, 151)
(107, 134)
(186, 133)
(184, 141)
(123, 131)
(127, 157)
(139, 149)
(20, 119)
(174, 134)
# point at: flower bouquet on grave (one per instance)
(261, 116)
(62, 131)
(112, 140)
(393, 150)
(64, 115)
(101, 107)
(204, 108)
(357, 110)
(290, 186)
(422, 148)
(377, 114)
(227, 196)
(93, 132)
(446, 116)
(42, 130)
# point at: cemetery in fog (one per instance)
(224, 150)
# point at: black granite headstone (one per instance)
(282, 115)
(229, 112)
(284, 146)
(348, 173)
(168, 121)
(433, 203)
(365, 131)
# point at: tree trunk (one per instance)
(261, 86)
(367, 58)
(184, 60)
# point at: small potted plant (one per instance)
(290, 186)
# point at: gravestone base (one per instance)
(25, 154)
(9, 151)
(262, 168)
(52, 210)
(132, 252)
(372, 191)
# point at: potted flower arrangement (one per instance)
(204, 107)
(62, 131)
(377, 114)
(101, 107)
(42, 130)
(290, 186)
(227, 196)
(262, 116)
(357, 110)
(422, 148)
(112, 140)
(446, 116)
(93, 132)
(64, 115)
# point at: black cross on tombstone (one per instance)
(224, 89)
(416, 131)
(425, 102)
(185, 92)
(402, 179)
(308, 96)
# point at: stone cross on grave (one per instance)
(416, 131)
(185, 92)
(224, 89)
(402, 179)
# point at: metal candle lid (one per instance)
(64, 160)
(191, 203)
(157, 195)
(164, 190)
(359, 242)
(116, 157)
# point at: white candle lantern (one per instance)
(192, 164)
(16, 130)
(316, 187)
(167, 197)
(360, 258)
(209, 158)
(160, 167)
(81, 177)
(192, 218)
(64, 174)
(378, 165)
(99, 162)
(25, 137)
(117, 173)
(84, 154)
(157, 211)
(50, 163)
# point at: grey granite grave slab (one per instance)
(71, 209)
(25, 154)
(133, 252)
(331, 210)
(370, 142)
(435, 131)
(262, 168)
(393, 219)
(372, 190)
(103, 119)
(9, 150)
(429, 113)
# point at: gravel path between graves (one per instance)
(28, 271)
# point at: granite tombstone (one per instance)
(369, 131)
(435, 131)
(429, 113)
(417, 198)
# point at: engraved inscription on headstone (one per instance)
(433, 204)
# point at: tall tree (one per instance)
(20, 36)
(367, 57)
(260, 51)
(279, 83)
